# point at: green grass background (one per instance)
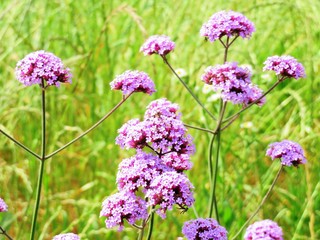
(100, 39)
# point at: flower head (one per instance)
(264, 230)
(3, 206)
(227, 23)
(168, 189)
(133, 81)
(204, 229)
(132, 135)
(178, 162)
(139, 171)
(291, 153)
(162, 108)
(123, 206)
(285, 66)
(66, 236)
(41, 65)
(158, 44)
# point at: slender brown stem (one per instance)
(3, 232)
(261, 203)
(90, 129)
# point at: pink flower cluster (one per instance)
(41, 65)
(3, 206)
(133, 81)
(291, 153)
(227, 23)
(66, 236)
(204, 229)
(285, 66)
(158, 44)
(262, 230)
(234, 83)
(159, 174)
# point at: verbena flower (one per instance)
(227, 23)
(162, 107)
(3, 206)
(139, 171)
(66, 236)
(178, 162)
(285, 66)
(168, 189)
(123, 206)
(290, 153)
(233, 82)
(132, 135)
(133, 81)
(264, 230)
(41, 65)
(204, 229)
(158, 44)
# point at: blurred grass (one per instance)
(100, 39)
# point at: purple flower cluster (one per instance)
(66, 236)
(133, 81)
(264, 230)
(291, 153)
(157, 174)
(123, 206)
(41, 65)
(227, 23)
(158, 44)
(285, 66)
(204, 229)
(3, 206)
(234, 83)
(168, 189)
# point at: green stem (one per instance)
(186, 86)
(199, 128)
(41, 170)
(90, 129)
(20, 144)
(3, 232)
(210, 160)
(261, 204)
(150, 226)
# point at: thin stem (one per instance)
(245, 108)
(3, 232)
(137, 226)
(199, 128)
(20, 144)
(210, 160)
(141, 233)
(150, 226)
(90, 129)
(189, 90)
(226, 47)
(261, 204)
(43, 153)
(229, 123)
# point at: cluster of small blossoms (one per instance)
(42, 66)
(227, 23)
(290, 153)
(157, 44)
(133, 81)
(262, 230)
(285, 66)
(3, 206)
(158, 174)
(204, 229)
(66, 236)
(234, 83)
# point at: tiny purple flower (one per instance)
(168, 189)
(133, 81)
(227, 23)
(123, 206)
(66, 236)
(41, 65)
(291, 153)
(162, 107)
(132, 135)
(158, 44)
(139, 171)
(178, 162)
(285, 66)
(3, 206)
(264, 230)
(204, 229)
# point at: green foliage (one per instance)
(100, 39)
